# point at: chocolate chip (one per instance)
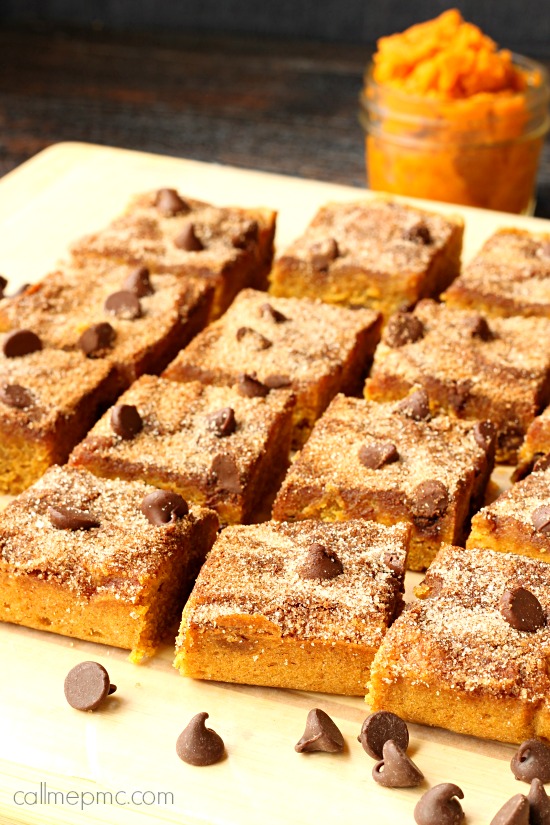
(3, 285)
(321, 734)
(403, 328)
(477, 326)
(187, 239)
(243, 236)
(541, 519)
(513, 812)
(14, 395)
(21, 342)
(395, 769)
(227, 473)
(430, 499)
(139, 282)
(323, 253)
(377, 454)
(320, 563)
(459, 393)
(419, 233)
(522, 610)
(123, 304)
(126, 421)
(250, 387)
(542, 462)
(531, 761)
(395, 563)
(439, 807)
(199, 745)
(415, 406)
(539, 803)
(379, 728)
(253, 338)
(269, 311)
(87, 685)
(222, 422)
(163, 507)
(169, 203)
(276, 381)
(96, 339)
(484, 433)
(68, 518)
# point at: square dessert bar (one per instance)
(315, 349)
(537, 440)
(391, 463)
(453, 659)
(49, 399)
(301, 606)
(135, 319)
(210, 444)
(519, 520)
(470, 366)
(376, 253)
(509, 276)
(228, 247)
(119, 579)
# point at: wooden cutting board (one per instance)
(46, 748)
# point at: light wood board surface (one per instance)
(129, 746)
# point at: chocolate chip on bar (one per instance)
(126, 421)
(378, 728)
(199, 745)
(415, 406)
(250, 387)
(139, 282)
(396, 769)
(21, 342)
(187, 239)
(478, 327)
(96, 339)
(277, 381)
(69, 518)
(222, 422)
(253, 337)
(484, 432)
(87, 685)
(227, 473)
(531, 761)
(123, 304)
(269, 311)
(541, 519)
(377, 454)
(522, 610)
(323, 253)
(169, 203)
(403, 328)
(163, 507)
(14, 395)
(419, 233)
(321, 563)
(430, 499)
(438, 806)
(320, 734)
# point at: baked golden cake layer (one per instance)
(537, 440)
(452, 659)
(470, 366)
(210, 444)
(121, 583)
(255, 617)
(310, 347)
(376, 253)
(435, 476)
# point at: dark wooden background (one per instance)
(275, 87)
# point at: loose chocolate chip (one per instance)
(523, 611)
(477, 326)
(419, 233)
(484, 432)
(321, 734)
(227, 473)
(187, 239)
(253, 338)
(377, 454)
(539, 803)
(87, 685)
(531, 761)
(163, 507)
(126, 421)
(379, 728)
(269, 311)
(199, 745)
(123, 304)
(139, 282)
(21, 342)
(14, 395)
(513, 812)
(415, 406)
(222, 422)
(541, 519)
(169, 203)
(430, 499)
(323, 253)
(250, 387)
(3, 285)
(403, 328)
(395, 563)
(96, 339)
(439, 807)
(321, 563)
(68, 518)
(396, 769)
(276, 381)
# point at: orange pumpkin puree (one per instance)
(452, 118)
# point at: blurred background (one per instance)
(271, 85)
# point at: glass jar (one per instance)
(479, 151)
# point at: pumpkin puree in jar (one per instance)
(450, 117)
